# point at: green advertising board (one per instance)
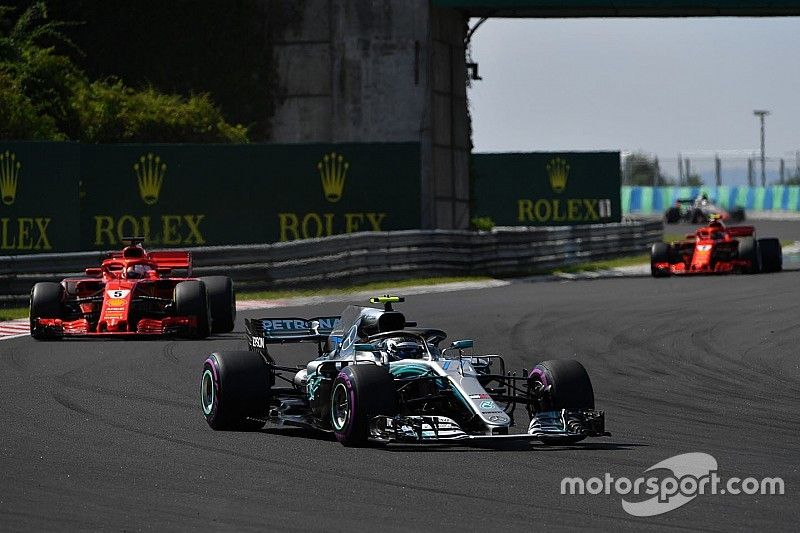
(547, 189)
(200, 195)
(38, 197)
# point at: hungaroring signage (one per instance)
(547, 189)
(58, 197)
(38, 197)
(199, 195)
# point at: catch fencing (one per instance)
(370, 256)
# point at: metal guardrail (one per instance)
(370, 256)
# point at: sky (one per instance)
(660, 86)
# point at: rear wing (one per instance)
(741, 231)
(263, 331)
(173, 260)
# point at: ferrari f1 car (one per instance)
(717, 249)
(699, 210)
(381, 378)
(133, 292)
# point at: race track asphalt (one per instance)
(110, 435)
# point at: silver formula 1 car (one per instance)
(379, 377)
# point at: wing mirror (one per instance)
(462, 344)
(94, 272)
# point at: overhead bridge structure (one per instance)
(352, 71)
(614, 8)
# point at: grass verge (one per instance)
(374, 286)
(603, 264)
(13, 312)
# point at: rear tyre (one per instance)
(570, 388)
(698, 217)
(737, 215)
(748, 250)
(659, 253)
(673, 215)
(771, 255)
(191, 299)
(360, 393)
(222, 303)
(46, 302)
(235, 390)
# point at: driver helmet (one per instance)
(404, 349)
(136, 271)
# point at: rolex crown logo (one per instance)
(332, 172)
(9, 174)
(150, 175)
(558, 170)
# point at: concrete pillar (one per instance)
(380, 71)
(451, 144)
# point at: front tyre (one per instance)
(46, 302)
(771, 255)
(673, 215)
(570, 388)
(358, 394)
(235, 390)
(659, 253)
(748, 250)
(191, 299)
(222, 302)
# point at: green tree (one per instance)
(44, 96)
(694, 180)
(641, 169)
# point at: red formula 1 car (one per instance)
(717, 249)
(132, 293)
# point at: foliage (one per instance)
(45, 96)
(19, 116)
(108, 111)
(694, 180)
(641, 169)
(794, 180)
(482, 223)
(225, 49)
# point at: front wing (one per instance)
(544, 425)
(146, 327)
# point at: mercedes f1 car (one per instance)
(131, 293)
(717, 249)
(699, 210)
(381, 378)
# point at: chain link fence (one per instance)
(710, 168)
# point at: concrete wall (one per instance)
(451, 129)
(380, 71)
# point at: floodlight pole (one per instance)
(761, 114)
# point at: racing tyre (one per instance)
(222, 302)
(571, 388)
(737, 214)
(673, 215)
(235, 390)
(46, 302)
(360, 393)
(698, 217)
(748, 249)
(771, 255)
(191, 299)
(659, 253)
